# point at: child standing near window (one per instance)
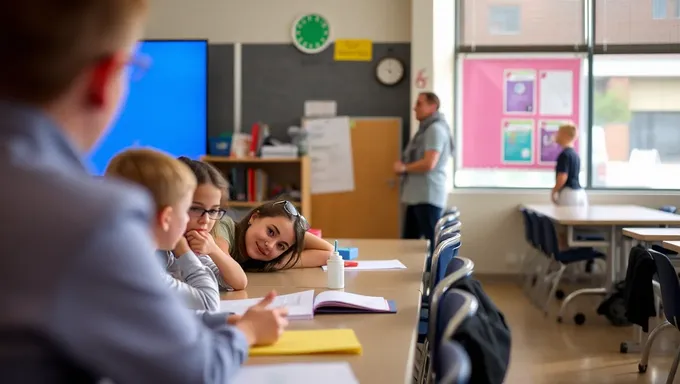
(568, 190)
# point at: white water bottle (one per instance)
(336, 269)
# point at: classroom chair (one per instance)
(446, 250)
(558, 261)
(450, 210)
(443, 222)
(452, 364)
(532, 255)
(460, 269)
(670, 299)
(449, 227)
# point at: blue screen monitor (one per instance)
(166, 108)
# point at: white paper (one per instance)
(321, 108)
(302, 373)
(372, 265)
(300, 305)
(330, 152)
(556, 89)
(361, 301)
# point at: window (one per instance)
(508, 110)
(677, 9)
(521, 22)
(504, 19)
(659, 9)
(635, 22)
(636, 133)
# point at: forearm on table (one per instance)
(229, 270)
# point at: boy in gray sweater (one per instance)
(172, 185)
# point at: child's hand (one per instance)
(182, 247)
(201, 242)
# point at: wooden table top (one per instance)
(672, 245)
(388, 340)
(604, 215)
(411, 253)
(652, 234)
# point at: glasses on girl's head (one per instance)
(214, 214)
(291, 210)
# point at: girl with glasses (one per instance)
(204, 212)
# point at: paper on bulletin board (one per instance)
(556, 90)
(330, 152)
(321, 108)
(353, 50)
(518, 141)
(549, 149)
(519, 91)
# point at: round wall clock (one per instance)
(389, 71)
(311, 33)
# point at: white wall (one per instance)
(493, 233)
(270, 21)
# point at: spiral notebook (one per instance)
(303, 305)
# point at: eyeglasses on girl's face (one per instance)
(214, 214)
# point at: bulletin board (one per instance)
(511, 109)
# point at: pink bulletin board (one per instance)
(503, 97)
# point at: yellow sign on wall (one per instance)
(353, 50)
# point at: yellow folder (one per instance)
(310, 342)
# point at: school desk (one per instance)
(388, 340)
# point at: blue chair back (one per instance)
(670, 287)
(536, 231)
(550, 245)
(449, 230)
(452, 364)
(668, 208)
(459, 269)
(442, 256)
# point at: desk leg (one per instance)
(593, 291)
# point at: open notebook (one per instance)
(303, 305)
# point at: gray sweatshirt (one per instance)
(191, 280)
(81, 292)
(210, 264)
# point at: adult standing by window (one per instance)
(423, 169)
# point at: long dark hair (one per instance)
(281, 208)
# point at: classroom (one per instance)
(365, 191)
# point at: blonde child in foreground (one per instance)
(568, 190)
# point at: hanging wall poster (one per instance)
(519, 91)
(518, 141)
(549, 149)
(556, 93)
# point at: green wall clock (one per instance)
(311, 33)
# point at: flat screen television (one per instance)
(166, 108)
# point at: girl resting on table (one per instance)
(272, 237)
(204, 212)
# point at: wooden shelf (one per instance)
(253, 204)
(280, 171)
(251, 160)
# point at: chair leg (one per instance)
(543, 273)
(553, 288)
(644, 358)
(424, 363)
(674, 368)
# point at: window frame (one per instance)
(589, 49)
